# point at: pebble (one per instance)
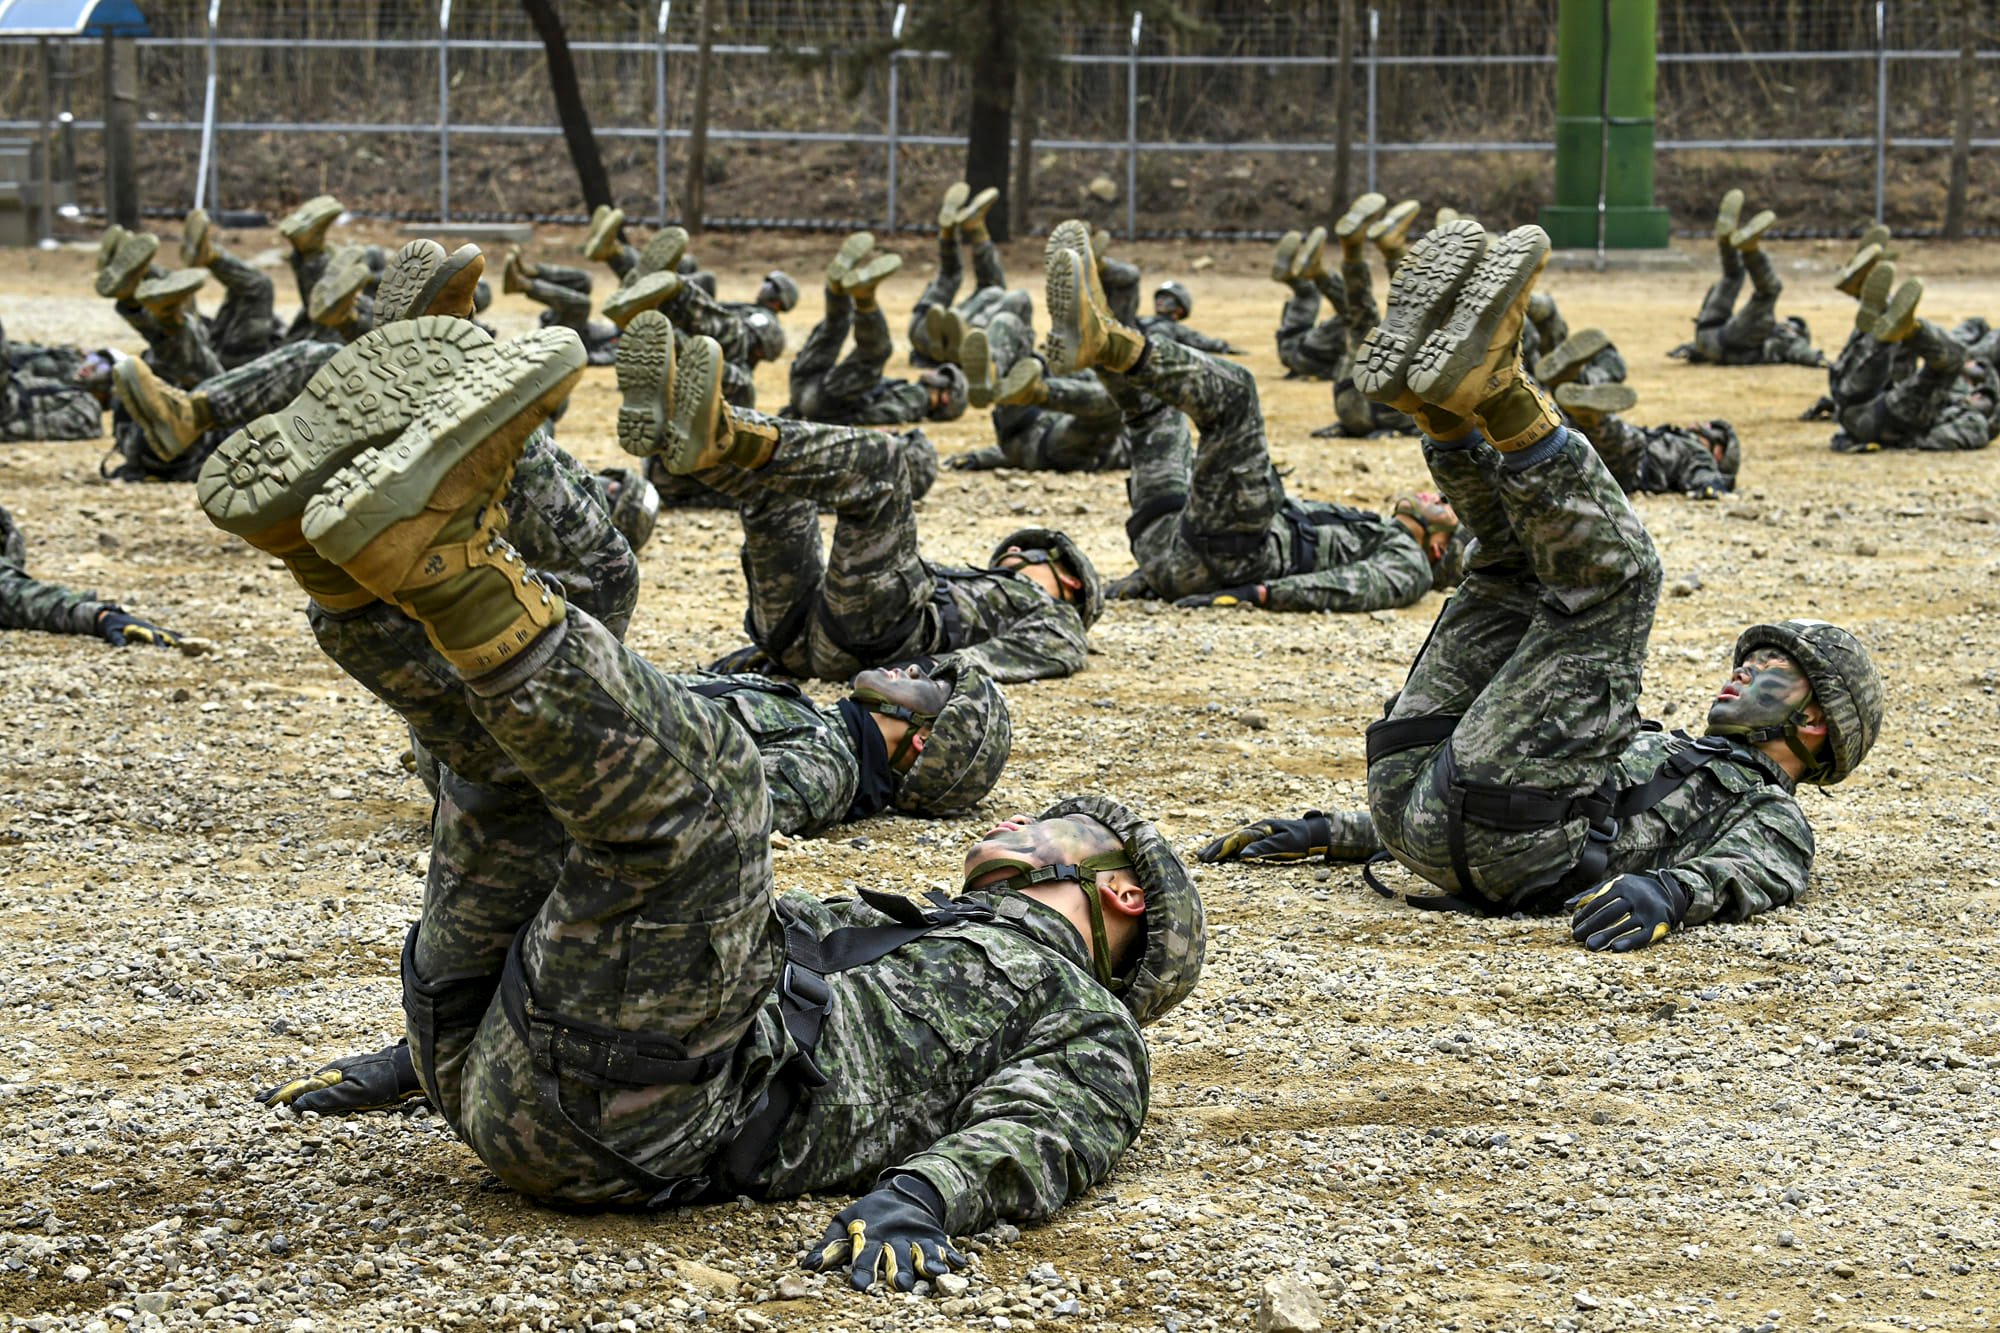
(1255, 720)
(951, 1284)
(1287, 1305)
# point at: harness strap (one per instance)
(1146, 513)
(722, 687)
(1395, 735)
(786, 632)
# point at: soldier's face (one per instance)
(1039, 842)
(1166, 306)
(1766, 688)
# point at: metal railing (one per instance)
(894, 140)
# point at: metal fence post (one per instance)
(895, 35)
(660, 111)
(1881, 102)
(205, 165)
(1132, 130)
(444, 112)
(1374, 36)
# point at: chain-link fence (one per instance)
(1829, 112)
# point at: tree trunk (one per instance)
(1343, 110)
(697, 173)
(1024, 157)
(1961, 126)
(991, 125)
(570, 109)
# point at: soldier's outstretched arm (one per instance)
(1045, 643)
(1335, 835)
(1396, 574)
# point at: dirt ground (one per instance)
(1433, 1122)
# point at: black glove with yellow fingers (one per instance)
(1628, 912)
(895, 1235)
(115, 627)
(1246, 594)
(372, 1082)
(1274, 840)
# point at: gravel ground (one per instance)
(1366, 1117)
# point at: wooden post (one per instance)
(698, 132)
(121, 159)
(1961, 122)
(1343, 109)
(1024, 155)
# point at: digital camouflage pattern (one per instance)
(1121, 289)
(1753, 335)
(1309, 347)
(989, 296)
(240, 395)
(32, 408)
(870, 599)
(851, 391)
(566, 292)
(694, 311)
(1540, 654)
(1658, 459)
(179, 352)
(1079, 429)
(1174, 330)
(1237, 526)
(246, 325)
(809, 762)
(29, 603)
(1940, 400)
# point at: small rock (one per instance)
(1287, 1305)
(1843, 1269)
(107, 541)
(951, 1284)
(1586, 1301)
(1254, 720)
(76, 1272)
(154, 1302)
(1203, 263)
(1786, 1240)
(179, 696)
(278, 1244)
(1866, 548)
(1103, 188)
(1177, 183)
(791, 1287)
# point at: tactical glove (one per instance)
(371, 1082)
(1628, 912)
(1706, 492)
(1247, 594)
(895, 1235)
(115, 627)
(1277, 840)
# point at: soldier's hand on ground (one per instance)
(115, 627)
(371, 1082)
(1628, 912)
(1706, 493)
(895, 1235)
(1244, 595)
(1273, 840)
(1130, 588)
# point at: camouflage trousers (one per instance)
(1309, 347)
(179, 353)
(694, 310)
(830, 611)
(1079, 429)
(1121, 289)
(990, 295)
(29, 603)
(1538, 657)
(827, 386)
(1725, 335)
(1865, 367)
(246, 326)
(238, 397)
(40, 362)
(39, 409)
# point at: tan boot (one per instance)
(1390, 233)
(1023, 385)
(700, 431)
(1746, 237)
(954, 200)
(334, 298)
(945, 330)
(518, 272)
(1422, 295)
(661, 254)
(861, 282)
(1282, 257)
(1567, 361)
(972, 218)
(1082, 330)
(305, 226)
(646, 293)
(424, 280)
(1899, 318)
(170, 419)
(1591, 403)
(1726, 214)
(602, 240)
(1855, 272)
(975, 358)
(169, 297)
(129, 263)
(107, 246)
(1309, 260)
(646, 351)
(1471, 365)
(1353, 226)
(852, 251)
(1875, 290)
(197, 240)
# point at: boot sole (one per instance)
(647, 292)
(263, 474)
(495, 404)
(1016, 381)
(1855, 274)
(1281, 259)
(1600, 398)
(1575, 352)
(603, 235)
(1064, 295)
(1752, 231)
(1310, 254)
(194, 240)
(1901, 307)
(696, 405)
(645, 374)
(1421, 296)
(1726, 214)
(954, 200)
(1459, 347)
(975, 358)
(978, 206)
(1393, 227)
(306, 219)
(876, 270)
(852, 251)
(343, 284)
(131, 259)
(662, 254)
(1359, 214)
(402, 293)
(1876, 289)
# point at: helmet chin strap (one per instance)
(1787, 731)
(1084, 875)
(880, 704)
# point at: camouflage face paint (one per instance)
(1046, 842)
(1763, 691)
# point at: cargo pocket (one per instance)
(681, 977)
(1584, 701)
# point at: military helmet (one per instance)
(781, 285)
(636, 508)
(1181, 296)
(1176, 931)
(1059, 547)
(1540, 306)
(1720, 432)
(952, 380)
(13, 546)
(970, 739)
(1844, 682)
(770, 335)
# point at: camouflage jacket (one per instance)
(1005, 624)
(1174, 329)
(884, 402)
(983, 1057)
(1660, 459)
(28, 603)
(1732, 835)
(1359, 561)
(809, 760)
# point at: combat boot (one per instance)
(1857, 269)
(1422, 292)
(1898, 319)
(1875, 296)
(170, 419)
(1726, 214)
(945, 330)
(424, 280)
(518, 273)
(169, 298)
(1309, 260)
(972, 218)
(602, 240)
(335, 298)
(197, 240)
(676, 398)
(954, 200)
(1353, 226)
(107, 246)
(129, 263)
(861, 282)
(1082, 330)
(1744, 239)
(661, 254)
(421, 521)
(975, 358)
(1390, 233)
(1566, 361)
(852, 251)
(1471, 366)
(1282, 257)
(645, 293)
(1591, 403)
(305, 226)
(1875, 235)
(1024, 385)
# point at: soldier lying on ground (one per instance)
(871, 600)
(644, 1022)
(1938, 399)
(1866, 364)
(28, 603)
(39, 396)
(1172, 304)
(1326, 350)
(1061, 423)
(1512, 770)
(851, 390)
(1700, 459)
(1214, 526)
(937, 326)
(1754, 335)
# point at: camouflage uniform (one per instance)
(246, 326)
(872, 600)
(1121, 289)
(1942, 400)
(41, 362)
(1220, 518)
(32, 408)
(181, 352)
(1309, 347)
(566, 293)
(693, 310)
(1540, 337)
(1865, 367)
(990, 295)
(1657, 459)
(852, 391)
(28, 603)
(238, 397)
(1532, 675)
(1754, 335)
(1079, 429)
(1175, 330)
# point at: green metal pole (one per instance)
(1585, 50)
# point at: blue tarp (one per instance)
(72, 18)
